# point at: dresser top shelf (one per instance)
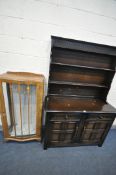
(72, 44)
(72, 104)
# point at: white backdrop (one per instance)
(26, 27)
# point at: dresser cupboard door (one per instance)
(75, 129)
(63, 128)
(95, 127)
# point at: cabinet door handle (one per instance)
(76, 131)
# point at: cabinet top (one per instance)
(26, 77)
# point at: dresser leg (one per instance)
(44, 144)
(45, 148)
(100, 145)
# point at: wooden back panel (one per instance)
(81, 68)
(72, 57)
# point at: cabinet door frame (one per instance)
(38, 114)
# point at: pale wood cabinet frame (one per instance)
(27, 81)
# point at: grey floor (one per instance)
(31, 159)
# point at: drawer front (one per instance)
(101, 117)
(64, 117)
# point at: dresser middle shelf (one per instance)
(77, 89)
(80, 75)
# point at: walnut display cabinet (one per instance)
(76, 108)
(21, 98)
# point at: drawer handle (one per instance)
(76, 131)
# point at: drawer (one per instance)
(64, 117)
(107, 117)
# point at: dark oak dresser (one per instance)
(76, 109)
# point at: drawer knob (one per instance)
(84, 111)
(68, 105)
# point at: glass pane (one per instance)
(15, 106)
(4, 87)
(32, 109)
(21, 114)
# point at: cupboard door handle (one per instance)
(76, 131)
